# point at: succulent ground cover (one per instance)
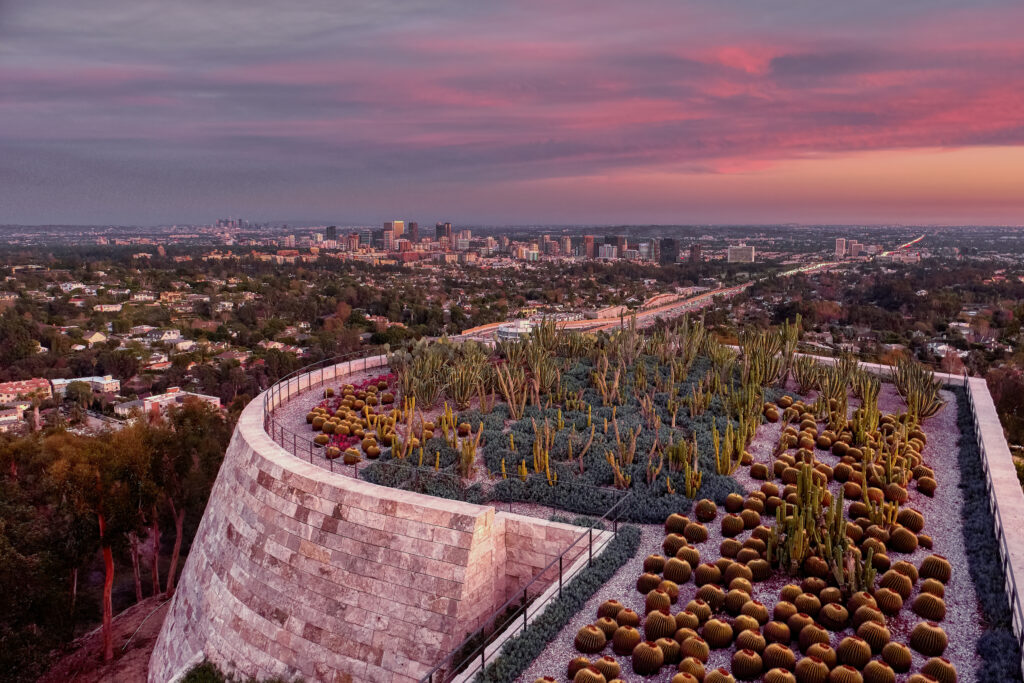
(809, 515)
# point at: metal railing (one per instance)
(301, 381)
(1012, 592)
(514, 614)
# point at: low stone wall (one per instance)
(299, 572)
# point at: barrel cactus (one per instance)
(689, 554)
(732, 525)
(825, 653)
(693, 666)
(751, 639)
(608, 626)
(779, 676)
(776, 632)
(854, 651)
(659, 624)
(897, 655)
(808, 604)
(647, 582)
(778, 656)
(889, 601)
(657, 599)
(941, 669)
(695, 533)
(576, 665)
(696, 648)
(934, 586)
(930, 607)
(844, 673)
(902, 540)
(625, 639)
(719, 675)
(654, 564)
(874, 634)
(700, 608)
(784, 610)
(675, 523)
(590, 639)
(878, 672)
(677, 570)
(812, 634)
(647, 658)
(936, 567)
(717, 633)
(705, 510)
(707, 573)
(833, 616)
(927, 486)
(735, 599)
(627, 617)
(789, 592)
(670, 649)
(713, 595)
(811, 670)
(896, 581)
(684, 677)
(589, 675)
(929, 639)
(755, 609)
(673, 542)
(687, 619)
(746, 665)
(867, 613)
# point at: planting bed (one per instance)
(682, 421)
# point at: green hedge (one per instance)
(207, 672)
(520, 651)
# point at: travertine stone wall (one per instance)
(296, 571)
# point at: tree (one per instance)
(79, 393)
(100, 477)
(186, 450)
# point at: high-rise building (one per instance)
(567, 245)
(443, 231)
(398, 228)
(695, 254)
(621, 245)
(414, 232)
(588, 246)
(740, 254)
(607, 251)
(353, 241)
(331, 232)
(840, 247)
(669, 251)
(388, 240)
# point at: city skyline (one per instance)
(660, 113)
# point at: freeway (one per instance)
(648, 313)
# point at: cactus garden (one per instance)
(800, 520)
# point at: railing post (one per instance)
(560, 575)
(590, 548)
(524, 607)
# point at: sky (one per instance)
(512, 112)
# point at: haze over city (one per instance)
(520, 112)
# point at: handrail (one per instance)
(447, 667)
(1011, 583)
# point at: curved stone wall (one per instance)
(300, 572)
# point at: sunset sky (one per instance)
(725, 111)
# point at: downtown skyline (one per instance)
(600, 113)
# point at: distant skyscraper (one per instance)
(353, 241)
(607, 251)
(840, 247)
(443, 231)
(695, 254)
(669, 251)
(621, 245)
(567, 245)
(414, 231)
(388, 240)
(588, 246)
(331, 233)
(398, 228)
(740, 254)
